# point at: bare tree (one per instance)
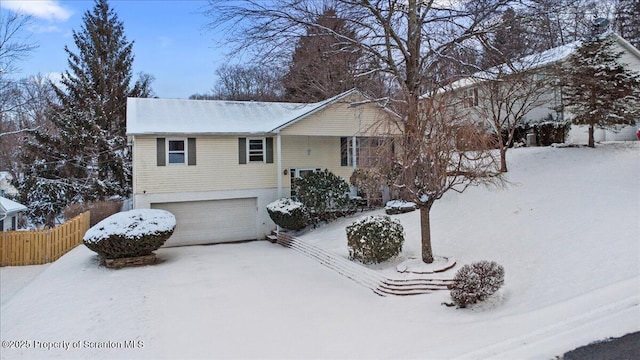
(247, 82)
(31, 102)
(407, 40)
(14, 47)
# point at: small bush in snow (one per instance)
(288, 214)
(475, 282)
(374, 239)
(130, 233)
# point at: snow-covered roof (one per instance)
(9, 206)
(530, 62)
(179, 116)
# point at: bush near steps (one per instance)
(288, 214)
(475, 282)
(131, 233)
(374, 239)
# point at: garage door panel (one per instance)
(214, 221)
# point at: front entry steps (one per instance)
(371, 279)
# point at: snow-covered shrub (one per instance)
(399, 207)
(475, 282)
(288, 214)
(130, 233)
(324, 194)
(374, 239)
(550, 132)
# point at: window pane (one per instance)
(176, 145)
(256, 158)
(176, 158)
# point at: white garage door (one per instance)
(214, 221)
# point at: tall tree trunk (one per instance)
(503, 158)
(425, 228)
(592, 142)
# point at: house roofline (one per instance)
(320, 106)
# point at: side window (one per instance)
(255, 150)
(176, 151)
(470, 98)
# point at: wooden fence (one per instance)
(42, 246)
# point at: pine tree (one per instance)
(86, 157)
(599, 89)
(509, 41)
(323, 65)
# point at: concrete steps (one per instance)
(371, 279)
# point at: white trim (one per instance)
(279, 164)
(354, 152)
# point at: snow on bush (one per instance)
(374, 239)
(288, 214)
(324, 193)
(130, 233)
(475, 282)
(399, 207)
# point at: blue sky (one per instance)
(171, 41)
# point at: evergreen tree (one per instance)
(86, 157)
(323, 65)
(599, 89)
(509, 42)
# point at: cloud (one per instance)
(38, 29)
(42, 9)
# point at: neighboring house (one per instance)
(472, 95)
(9, 211)
(5, 184)
(217, 164)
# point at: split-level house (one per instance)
(474, 96)
(217, 164)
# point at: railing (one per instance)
(42, 246)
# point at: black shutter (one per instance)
(161, 152)
(344, 151)
(242, 150)
(191, 151)
(269, 150)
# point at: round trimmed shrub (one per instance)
(288, 214)
(475, 282)
(130, 233)
(374, 239)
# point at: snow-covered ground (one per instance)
(566, 230)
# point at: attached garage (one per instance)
(212, 221)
